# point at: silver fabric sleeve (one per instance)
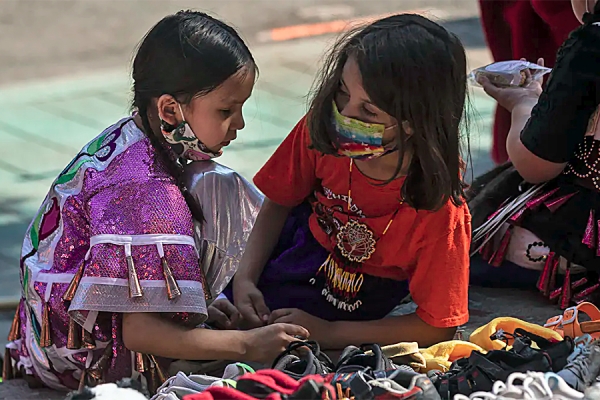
(230, 205)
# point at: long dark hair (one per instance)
(414, 70)
(185, 55)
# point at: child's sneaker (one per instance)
(180, 385)
(368, 356)
(303, 358)
(265, 383)
(526, 386)
(399, 384)
(583, 366)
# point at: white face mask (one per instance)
(185, 144)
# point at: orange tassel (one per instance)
(135, 288)
(87, 340)
(73, 336)
(45, 338)
(15, 328)
(173, 290)
(72, 289)
(7, 369)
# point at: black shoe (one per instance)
(557, 352)
(368, 356)
(303, 358)
(480, 371)
(399, 384)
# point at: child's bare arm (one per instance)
(390, 330)
(149, 333)
(337, 335)
(261, 243)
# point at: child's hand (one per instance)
(319, 328)
(222, 314)
(266, 343)
(511, 97)
(251, 303)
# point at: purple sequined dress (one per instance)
(114, 235)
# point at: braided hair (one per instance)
(185, 55)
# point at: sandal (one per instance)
(480, 371)
(568, 325)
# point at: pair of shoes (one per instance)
(271, 385)
(367, 356)
(303, 358)
(402, 383)
(583, 365)
(532, 385)
(479, 371)
(180, 385)
(365, 373)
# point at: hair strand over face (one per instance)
(414, 70)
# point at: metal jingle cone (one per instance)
(159, 374)
(7, 368)
(173, 290)
(207, 293)
(96, 371)
(152, 377)
(135, 288)
(45, 338)
(73, 335)
(15, 328)
(87, 340)
(140, 363)
(72, 289)
(82, 380)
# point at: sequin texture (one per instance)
(116, 185)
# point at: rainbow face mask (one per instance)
(360, 140)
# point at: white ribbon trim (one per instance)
(141, 240)
(97, 280)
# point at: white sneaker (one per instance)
(533, 386)
(113, 392)
(181, 384)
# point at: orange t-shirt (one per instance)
(430, 249)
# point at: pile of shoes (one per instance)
(303, 372)
(534, 368)
(505, 359)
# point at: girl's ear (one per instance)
(580, 7)
(168, 110)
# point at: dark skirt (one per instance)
(299, 276)
(566, 219)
